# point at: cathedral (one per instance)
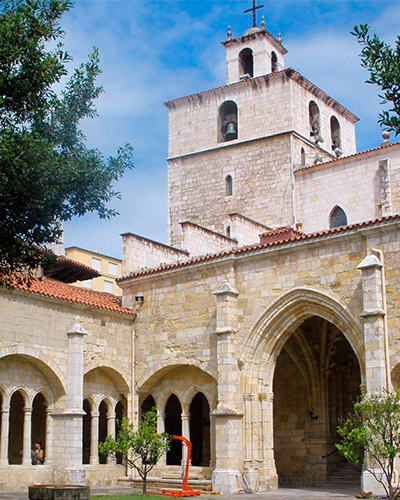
(273, 307)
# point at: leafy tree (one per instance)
(371, 437)
(383, 64)
(47, 173)
(142, 449)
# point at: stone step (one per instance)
(157, 484)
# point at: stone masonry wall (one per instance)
(261, 186)
(353, 184)
(199, 240)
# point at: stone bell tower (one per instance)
(256, 53)
(233, 150)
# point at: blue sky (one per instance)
(152, 51)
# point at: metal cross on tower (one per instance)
(253, 10)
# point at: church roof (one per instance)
(344, 158)
(58, 290)
(252, 33)
(301, 237)
(288, 73)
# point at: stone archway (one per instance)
(316, 383)
(262, 349)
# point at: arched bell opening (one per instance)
(246, 63)
(315, 122)
(39, 413)
(316, 383)
(86, 433)
(120, 413)
(336, 140)
(103, 410)
(274, 62)
(228, 122)
(200, 432)
(173, 425)
(16, 429)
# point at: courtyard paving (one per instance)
(315, 493)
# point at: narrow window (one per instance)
(303, 157)
(228, 231)
(228, 122)
(274, 62)
(228, 186)
(315, 122)
(335, 134)
(338, 218)
(246, 66)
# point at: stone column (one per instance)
(111, 432)
(94, 438)
(212, 441)
(185, 433)
(160, 430)
(48, 457)
(267, 469)
(5, 423)
(27, 446)
(68, 469)
(374, 341)
(229, 413)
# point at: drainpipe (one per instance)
(385, 322)
(294, 221)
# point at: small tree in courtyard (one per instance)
(142, 449)
(371, 437)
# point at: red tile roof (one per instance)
(300, 237)
(279, 234)
(343, 158)
(68, 293)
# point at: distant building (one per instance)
(108, 267)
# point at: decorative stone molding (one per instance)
(249, 396)
(386, 195)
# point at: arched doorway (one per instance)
(16, 429)
(200, 430)
(87, 432)
(39, 408)
(316, 383)
(173, 425)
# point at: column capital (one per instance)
(249, 396)
(161, 415)
(5, 409)
(185, 416)
(27, 409)
(76, 329)
(111, 416)
(95, 414)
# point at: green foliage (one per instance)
(141, 449)
(370, 438)
(383, 64)
(47, 173)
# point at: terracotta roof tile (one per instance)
(69, 293)
(343, 158)
(300, 237)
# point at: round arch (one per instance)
(119, 379)
(281, 319)
(42, 363)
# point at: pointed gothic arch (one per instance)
(337, 218)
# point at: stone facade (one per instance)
(254, 349)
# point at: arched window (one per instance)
(228, 122)
(38, 434)
(173, 425)
(200, 431)
(274, 62)
(87, 432)
(147, 405)
(303, 157)
(315, 122)
(228, 186)
(338, 218)
(246, 66)
(16, 429)
(103, 410)
(335, 134)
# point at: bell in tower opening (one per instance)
(227, 122)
